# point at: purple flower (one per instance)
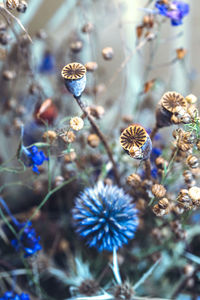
(175, 11)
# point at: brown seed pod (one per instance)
(188, 270)
(171, 100)
(134, 180)
(127, 119)
(194, 193)
(163, 203)
(76, 46)
(139, 31)
(188, 176)
(22, 7)
(198, 145)
(93, 140)
(161, 163)
(9, 75)
(70, 157)
(107, 53)
(184, 199)
(88, 287)
(192, 161)
(50, 136)
(158, 211)
(158, 190)
(193, 111)
(148, 21)
(180, 52)
(88, 28)
(58, 180)
(91, 66)
(12, 4)
(69, 136)
(124, 291)
(96, 111)
(191, 99)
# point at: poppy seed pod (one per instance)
(135, 139)
(74, 75)
(167, 107)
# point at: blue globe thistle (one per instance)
(13, 296)
(105, 216)
(175, 11)
(33, 158)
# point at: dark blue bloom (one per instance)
(14, 296)
(27, 240)
(35, 157)
(48, 63)
(106, 216)
(175, 11)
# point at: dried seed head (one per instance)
(58, 180)
(181, 52)
(175, 119)
(88, 287)
(76, 46)
(148, 85)
(76, 123)
(12, 4)
(194, 193)
(70, 157)
(93, 140)
(184, 199)
(22, 7)
(134, 180)
(158, 211)
(50, 136)
(69, 136)
(158, 190)
(191, 99)
(107, 53)
(171, 100)
(91, 66)
(188, 176)
(124, 292)
(88, 28)
(136, 152)
(163, 203)
(96, 111)
(127, 119)
(192, 161)
(139, 31)
(9, 75)
(161, 163)
(148, 21)
(192, 111)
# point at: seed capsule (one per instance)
(192, 161)
(76, 123)
(134, 180)
(91, 66)
(107, 53)
(191, 99)
(12, 4)
(76, 46)
(194, 193)
(163, 203)
(161, 163)
(93, 140)
(188, 176)
(96, 111)
(88, 28)
(74, 75)
(158, 211)
(22, 7)
(181, 52)
(70, 157)
(184, 199)
(59, 180)
(158, 190)
(192, 111)
(49, 136)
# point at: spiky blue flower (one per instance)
(13, 296)
(106, 216)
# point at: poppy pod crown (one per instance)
(136, 141)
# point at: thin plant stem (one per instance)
(115, 267)
(100, 135)
(154, 132)
(148, 168)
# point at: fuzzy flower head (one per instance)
(105, 216)
(34, 157)
(13, 296)
(76, 123)
(174, 10)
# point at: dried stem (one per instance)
(100, 135)
(148, 168)
(154, 131)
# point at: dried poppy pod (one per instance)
(49, 136)
(163, 203)
(194, 193)
(74, 75)
(158, 190)
(107, 53)
(134, 180)
(167, 107)
(192, 161)
(136, 141)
